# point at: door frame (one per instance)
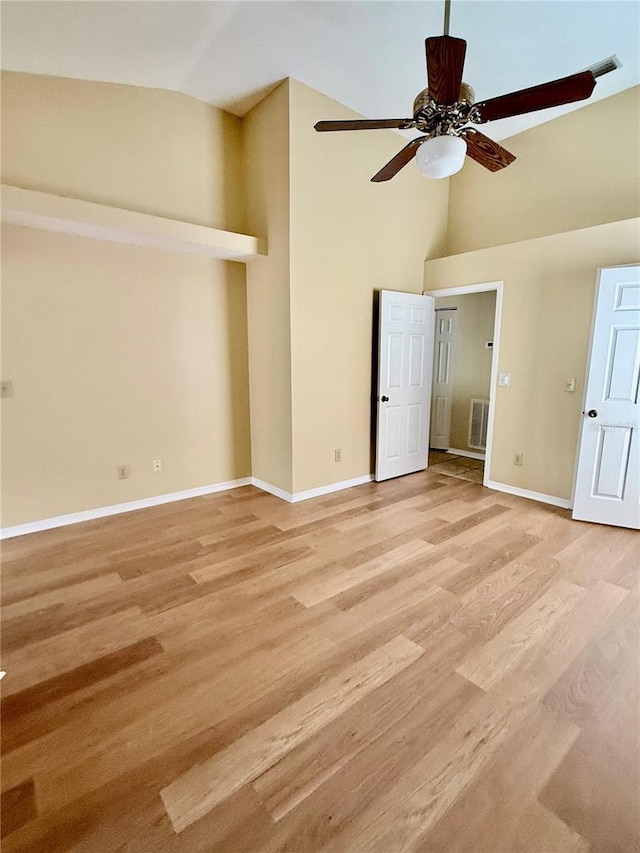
(464, 290)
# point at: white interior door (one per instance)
(608, 471)
(405, 359)
(442, 391)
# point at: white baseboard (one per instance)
(332, 487)
(116, 509)
(525, 493)
(273, 490)
(469, 453)
(295, 497)
(157, 500)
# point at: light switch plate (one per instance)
(504, 379)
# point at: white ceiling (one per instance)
(366, 55)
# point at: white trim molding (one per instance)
(463, 289)
(116, 509)
(564, 503)
(469, 453)
(332, 487)
(272, 490)
(48, 212)
(296, 497)
(158, 500)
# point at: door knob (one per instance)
(384, 399)
(592, 413)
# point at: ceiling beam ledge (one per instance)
(49, 212)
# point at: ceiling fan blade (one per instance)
(396, 163)
(365, 124)
(445, 61)
(486, 152)
(576, 87)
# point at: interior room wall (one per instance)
(578, 170)
(148, 150)
(119, 354)
(266, 162)
(549, 287)
(147, 357)
(349, 238)
(475, 314)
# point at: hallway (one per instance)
(441, 462)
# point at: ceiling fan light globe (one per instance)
(441, 156)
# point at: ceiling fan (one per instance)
(444, 111)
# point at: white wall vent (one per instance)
(478, 420)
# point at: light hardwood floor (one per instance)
(421, 664)
(443, 462)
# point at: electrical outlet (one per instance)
(6, 388)
(124, 472)
(518, 458)
(337, 455)
(157, 465)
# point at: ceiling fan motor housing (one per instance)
(424, 100)
(421, 103)
(444, 119)
(467, 94)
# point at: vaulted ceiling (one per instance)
(367, 55)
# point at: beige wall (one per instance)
(475, 315)
(579, 170)
(127, 354)
(549, 286)
(266, 152)
(141, 149)
(349, 238)
(334, 238)
(119, 354)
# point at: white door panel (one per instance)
(405, 347)
(608, 472)
(442, 391)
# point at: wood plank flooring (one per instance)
(453, 465)
(422, 664)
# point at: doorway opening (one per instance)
(464, 380)
(462, 467)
